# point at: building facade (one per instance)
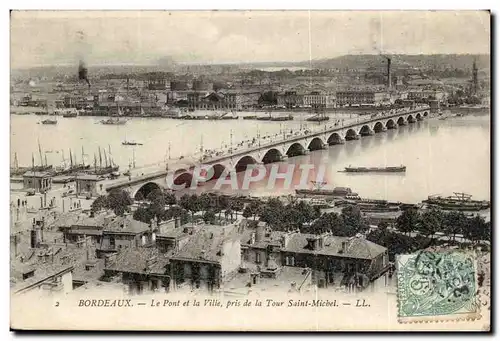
(361, 98)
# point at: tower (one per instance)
(474, 78)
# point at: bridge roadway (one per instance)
(347, 129)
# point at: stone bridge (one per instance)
(289, 145)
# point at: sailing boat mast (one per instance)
(46, 160)
(111, 163)
(70, 159)
(133, 156)
(100, 158)
(63, 159)
(83, 159)
(16, 163)
(105, 158)
(95, 162)
(40, 152)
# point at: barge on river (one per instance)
(397, 169)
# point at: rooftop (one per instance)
(356, 247)
(206, 243)
(126, 224)
(36, 174)
(139, 260)
(287, 278)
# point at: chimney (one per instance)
(260, 232)
(344, 247)
(284, 240)
(35, 237)
(389, 73)
(252, 238)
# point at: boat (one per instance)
(116, 120)
(109, 166)
(69, 113)
(253, 117)
(397, 169)
(282, 118)
(49, 121)
(111, 121)
(131, 143)
(127, 173)
(341, 192)
(457, 202)
(318, 118)
(264, 118)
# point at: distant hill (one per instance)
(439, 61)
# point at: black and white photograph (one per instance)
(250, 170)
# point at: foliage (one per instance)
(117, 200)
(407, 221)
(209, 217)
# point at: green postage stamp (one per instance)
(437, 286)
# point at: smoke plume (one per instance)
(83, 72)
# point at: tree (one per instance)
(139, 196)
(272, 213)
(430, 222)
(190, 203)
(99, 203)
(407, 221)
(477, 229)
(117, 200)
(454, 223)
(205, 202)
(209, 217)
(236, 205)
(329, 222)
(170, 198)
(252, 210)
(351, 215)
(143, 214)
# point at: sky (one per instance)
(142, 37)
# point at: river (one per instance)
(441, 156)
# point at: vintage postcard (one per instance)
(250, 170)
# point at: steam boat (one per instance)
(457, 202)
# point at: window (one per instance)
(112, 242)
(257, 257)
(290, 261)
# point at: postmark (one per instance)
(437, 286)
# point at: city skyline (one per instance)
(144, 37)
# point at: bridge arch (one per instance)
(351, 135)
(426, 113)
(316, 144)
(378, 127)
(401, 121)
(418, 117)
(390, 124)
(365, 130)
(244, 162)
(146, 189)
(295, 149)
(335, 138)
(272, 155)
(185, 179)
(217, 170)
(410, 119)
